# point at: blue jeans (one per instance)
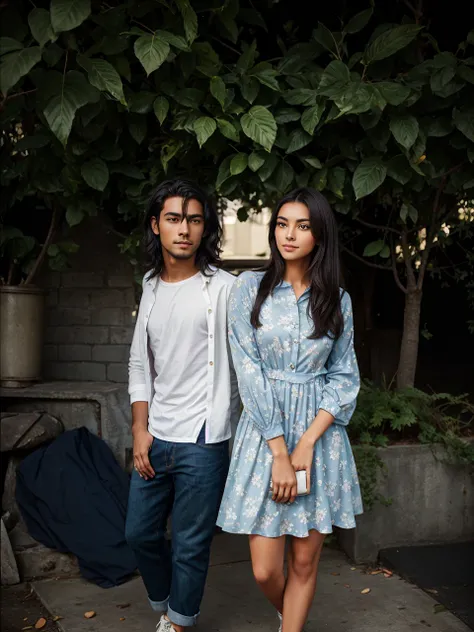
(188, 483)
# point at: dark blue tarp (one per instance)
(73, 497)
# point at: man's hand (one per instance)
(141, 447)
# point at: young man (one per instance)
(184, 399)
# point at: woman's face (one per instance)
(293, 235)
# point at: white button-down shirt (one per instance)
(223, 403)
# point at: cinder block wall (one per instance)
(90, 310)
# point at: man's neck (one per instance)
(175, 270)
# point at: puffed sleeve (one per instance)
(342, 377)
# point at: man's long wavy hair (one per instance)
(208, 253)
(324, 305)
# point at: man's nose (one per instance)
(183, 227)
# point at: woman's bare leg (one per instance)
(268, 557)
(300, 587)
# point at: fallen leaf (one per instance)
(388, 575)
(433, 591)
(123, 605)
(28, 627)
(365, 591)
(439, 608)
(57, 618)
(347, 585)
(353, 568)
(89, 615)
(387, 571)
(122, 618)
(335, 574)
(40, 623)
(376, 572)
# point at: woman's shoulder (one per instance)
(249, 279)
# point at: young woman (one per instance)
(291, 336)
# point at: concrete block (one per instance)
(80, 371)
(74, 353)
(82, 279)
(39, 561)
(117, 373)
(110, 353)
(432, 502)
(120, 280)
(115, 316)
(50, 353)
(52, 298)
(77, 335)
(109, 298)
(9, 568)
(74, 298)
(69, 316)
(121, 335)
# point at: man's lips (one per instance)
(184, 244)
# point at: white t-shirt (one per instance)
(178, 338)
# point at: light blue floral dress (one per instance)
(284, 380)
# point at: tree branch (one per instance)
(408, 259)
(396, 276)
(44, 249)
(364, 261)
(378, 227)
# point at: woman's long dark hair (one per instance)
(208, 253)
(324, 304)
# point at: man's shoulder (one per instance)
(222, 277)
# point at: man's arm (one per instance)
(142, 440)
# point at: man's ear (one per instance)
(154, 226)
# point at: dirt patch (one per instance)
(21, 608)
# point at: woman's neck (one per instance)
(296, 272)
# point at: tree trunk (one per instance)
(410, 339)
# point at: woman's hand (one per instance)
(283, 479)
(302, 458)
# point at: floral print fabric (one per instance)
(284, 380)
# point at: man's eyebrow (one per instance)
(180, 216)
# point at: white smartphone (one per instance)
(301, 486)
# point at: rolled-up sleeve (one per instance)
(256, 392)
(342, 378)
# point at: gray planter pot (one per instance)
(21, 335)
(432, 502)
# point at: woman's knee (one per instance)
(304, 566)
(265, 574)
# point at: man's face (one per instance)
(180, 231)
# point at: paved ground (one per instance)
(233, 604)
(444, 570)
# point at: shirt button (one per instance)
(292, 366)
(209, 311)
(296, 341)
(211, 363)
(211, 336)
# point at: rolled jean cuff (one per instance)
(159, 606)
(181, 619)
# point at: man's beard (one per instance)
(183, 256)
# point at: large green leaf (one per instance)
(284, 176)
(466, 73)
(104, 77)
(311, 118)
(8, 45)
(441, 77)
(238, 164)
(259, 125)
(205, 126)
(218, 90)
(224, 172)
(405, 130)
(393, 93)
(464, 121)
(174, 40)
(336, 179)
(152, 51)
(189, 97)
(74, 215)
(95, 174)
(16, 65)
(399, 169)
(268, 168)
(374, 248)
(228, 130)
(301, 96)
(40, 26)
(141, 102)
(297, 140)
(256, 160)
(161, 107)
(137, 127)
(267, 77)
(249, 88)
(313, 162)
(286, 115)
(368, 176)
(324, 37)
(189, 18)
(72, 93)
(359, 21)
(335, 79)
(391, 41)
(67, 15)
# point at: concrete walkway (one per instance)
(232, 602)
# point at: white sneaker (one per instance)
(280, 616)
(164, 625)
